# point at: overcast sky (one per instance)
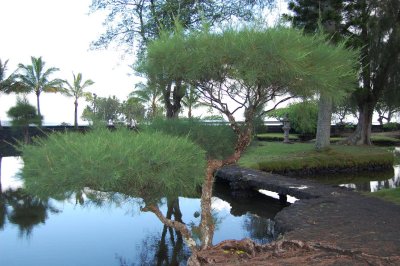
(61, 32)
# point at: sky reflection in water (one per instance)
(69, 234)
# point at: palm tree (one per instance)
(4, 82)
(76, 90)
(37, 79)
(148, 94)
(9, 84)
(191, 100)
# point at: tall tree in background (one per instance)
(76, 90)
(104, 110)
(37, 79)
(313, 16)
(137, 22)
(149, 94)
(191, 99)
(133, 111)
(374, 27)
(5, 83)
(389, 104)
(9, 84)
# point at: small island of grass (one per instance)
(283, 158)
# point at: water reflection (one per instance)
(23, 210)
(114, 232)
(373, 186)
(17, 207)
(364, 181)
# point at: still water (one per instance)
(365, 181)
(33, 232)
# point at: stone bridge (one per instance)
(244, 181)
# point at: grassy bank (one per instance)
(392, 195)
(280, 157)
(276, 137)
(380, 139)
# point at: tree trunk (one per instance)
(189, 111)
(38, 103)
(362, 134)
(207, 225)
(0, 175)
(173, 106)
(182, 228)
(76, 114)
(26, 134)
(324, 122)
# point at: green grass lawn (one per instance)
(278, 157)
(392, 195)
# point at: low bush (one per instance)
(218, 140)
(145, 165)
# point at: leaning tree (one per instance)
(245, 70)
(249, 67)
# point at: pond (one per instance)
(79, 231)
(364, 181)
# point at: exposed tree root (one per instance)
(285, 252)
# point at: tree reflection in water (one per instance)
(23, 210)
(166, 248)
(258, 228)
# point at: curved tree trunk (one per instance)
(324, 122)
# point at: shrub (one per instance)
(302, 116)
(391, 126)
(145, 165)
(217, 139)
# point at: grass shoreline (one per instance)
(302, 158)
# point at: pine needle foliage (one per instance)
(217, 140)
(144, 165)
(278, 58)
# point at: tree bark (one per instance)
(207, 225)
(25, 131)
(324, 122)
(173, 106)
(174, 224)
(76, 114)
(362, 134)
(189, 111)
(0, 175)
(38, 103)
